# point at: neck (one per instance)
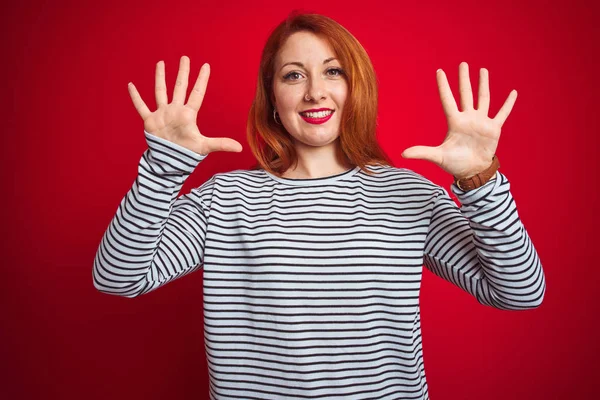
(317, 162)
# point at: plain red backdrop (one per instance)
(72, 140)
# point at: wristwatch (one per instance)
(480, 179)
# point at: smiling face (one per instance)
(309, 77)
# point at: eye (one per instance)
(338, 70)
(289, 75)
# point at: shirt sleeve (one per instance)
(483, 247)
(155, 237)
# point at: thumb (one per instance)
(428, 153)
(224, 144)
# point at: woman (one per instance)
(312, 261)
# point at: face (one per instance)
(308, 77)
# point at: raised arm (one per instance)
(154, 236)
(483, 248)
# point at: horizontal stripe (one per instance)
(311, 286)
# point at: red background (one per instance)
(72, 140)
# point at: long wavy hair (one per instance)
(272, 145)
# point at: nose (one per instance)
(316, 89)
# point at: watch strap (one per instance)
(479, 179)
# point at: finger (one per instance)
(138, 103)
(428, 153)
(197, 94)
(506, 108)
(181, 83)
(160, 86)
(448, 103)
(483, 100)
(223, 144)
(464, 87)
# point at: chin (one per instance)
(316, 141)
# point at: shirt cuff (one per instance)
(497, 185)
(171, 156)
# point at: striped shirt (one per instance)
(311, 286)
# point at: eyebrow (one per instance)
(302, 65)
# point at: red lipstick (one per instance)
(317, 120)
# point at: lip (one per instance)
(317, 110)
(318, 121)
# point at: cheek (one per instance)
(339, 95)
(287, 100)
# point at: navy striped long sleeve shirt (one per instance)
(311, 286)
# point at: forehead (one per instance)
(304, 47)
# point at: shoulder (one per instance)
(240, 177)
(404, 177)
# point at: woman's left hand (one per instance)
(472, 137)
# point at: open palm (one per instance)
(472, 136)
(176, 122)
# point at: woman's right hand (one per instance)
(176, 122)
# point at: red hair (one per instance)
(272, 145)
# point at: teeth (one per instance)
(320, 114)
